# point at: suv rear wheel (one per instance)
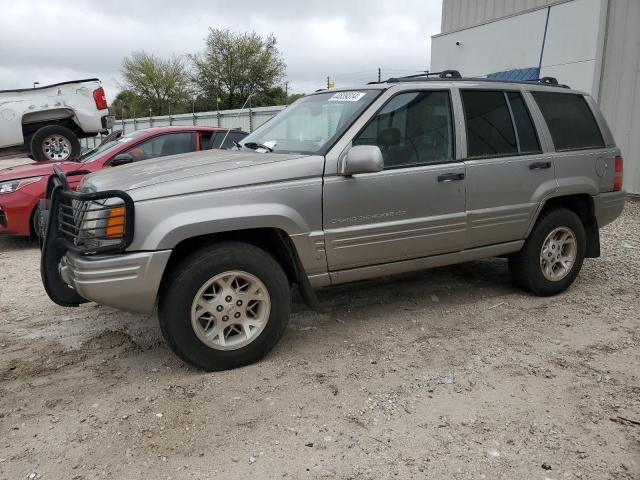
(552, 255)
(225, 306)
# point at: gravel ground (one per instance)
(448, 373)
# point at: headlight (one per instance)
(102, 222)
(14, 185)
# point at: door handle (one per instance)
(539, 165)
(450, 177)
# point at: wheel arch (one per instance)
(63, 117)
(274, 241)
(583, 206)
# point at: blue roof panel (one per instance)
(532, 73)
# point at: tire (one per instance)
(185, 327)
(35, 223)
(54, 143)
(527, 267)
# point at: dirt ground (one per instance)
(450, 373)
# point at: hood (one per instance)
(188, 172)
(40, 169)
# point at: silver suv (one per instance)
(344, 185)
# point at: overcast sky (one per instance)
(57, 40)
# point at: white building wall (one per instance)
(459, 14)
(591, 45)
(572, 45)
(620, 87)
(514, 42)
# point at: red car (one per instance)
(21, 187)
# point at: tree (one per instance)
(162, 84)
(234, 65)
(129, 104)
(293, 97)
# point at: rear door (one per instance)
(508, 174)
(415, 206)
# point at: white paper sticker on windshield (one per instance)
(347, 96)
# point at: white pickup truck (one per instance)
(47, 121)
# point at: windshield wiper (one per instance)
(255, 146)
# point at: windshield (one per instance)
(111, 146)
(311, 124)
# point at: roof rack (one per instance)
(454, 75)
(450, 74)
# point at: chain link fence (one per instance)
(247, 119)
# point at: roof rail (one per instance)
(548, 81)
(454, 75)
(414, 78)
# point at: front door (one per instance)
(415, 207)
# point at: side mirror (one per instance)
(121, 159)
(362, 159)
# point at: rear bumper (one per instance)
(608, 206)
(127, 281)
(107, 122)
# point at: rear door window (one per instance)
(527, 137)
(570, 121)
(490, 130)
(231, 137)
(498, 124)
(205, 140)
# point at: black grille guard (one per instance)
(61, 231)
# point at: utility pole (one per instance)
(286, 93)
(328, 84)
(379, 74)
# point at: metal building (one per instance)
(592, 45)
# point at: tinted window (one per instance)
(489, 127)
(231, 137)
(570, 121)
(163, 145)
(205, 140)
(413, 128)
(527, 138)
(108, 147)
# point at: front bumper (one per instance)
(127, 281)
(15, 213)
(608, 206)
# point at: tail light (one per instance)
(100, 99)
(617, 179)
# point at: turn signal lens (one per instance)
(618, 168)
(115, 222)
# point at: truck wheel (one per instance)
(54, 143)
(224, 306)
(552, 255)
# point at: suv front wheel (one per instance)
(224, 306)
(552, 255)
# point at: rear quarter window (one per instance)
(570, 121)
